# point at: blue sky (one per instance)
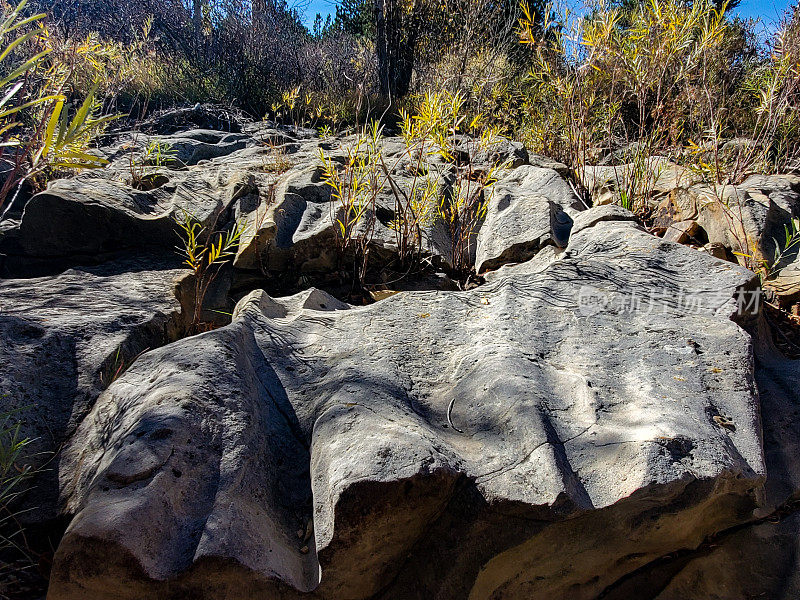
(310, 8)
(768, 10)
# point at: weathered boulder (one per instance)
(592, 421)
(749, 220)
(681, 232)
(91, 215)
(190, 147)
(94, 214)
(502, 152)
(299, 229)
(598, 214)
(758, 559)
(64, 339)
(297, 232)
(660, 175)
(204, 116)
(530, 208)
(270, 181)
(786, 283)
(745, 217)
(541, 436)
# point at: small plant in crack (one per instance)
(276, 161)
(205, 253)
(117, 367)
(440, 129)
(143, 167)
(768, 269)
(13, 471)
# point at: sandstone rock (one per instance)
(746, 218)
(63, 341)
(786, 284)
(716, 250)
(539, 436)
(664, 176)
(682, 231)
(760, 561)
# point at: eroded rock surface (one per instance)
(63, 339)
(509, 442)
(531, 208)
(759, 559)
(594, 421)
(750, 219)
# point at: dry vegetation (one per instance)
(664, 77)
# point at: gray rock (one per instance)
(530, 208)
(540, 436)
(598, 214)
(206, 116)
(604, 181)
(537, 160)
(778, 381)
(94, 214)
(297, 232)
(502, 152)
(64, 339)
(192, 147)
(759, 559)
(289, 218)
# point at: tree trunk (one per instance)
(259, 13)
(396, 42)
(197, 17)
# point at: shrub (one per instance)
(39, 134)
(656, 77)
(354, 190)
(142, 166)
(445, 186)
(440, 127)
(229, 51)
